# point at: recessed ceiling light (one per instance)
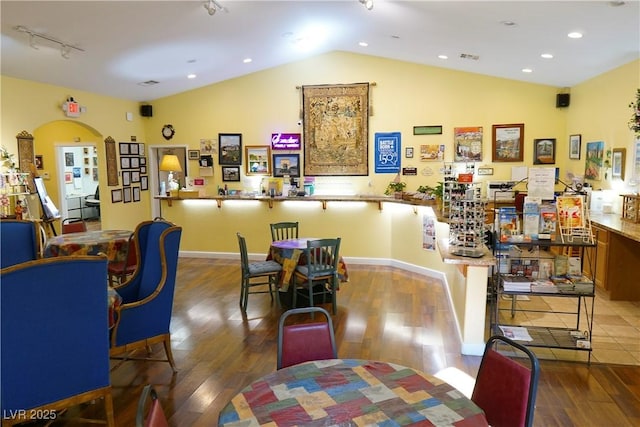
(546, 56)
(191, 76)
(247, 60)
(527, 70)
(363, 44)
(575, 35)
(443, 57)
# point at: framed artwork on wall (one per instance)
(594, 160)
(116, 195)
(230, 173)
(194, 154)
(507, 142)
(617, 163)
(258, 160)
(544, 151)
(575, 145)
(230, 148)
(286, 164)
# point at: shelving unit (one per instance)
(527, 259)
(631, 207)
(467, 226)
(14, 186)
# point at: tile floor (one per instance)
(615, 334)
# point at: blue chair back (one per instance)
(18, 242)
(152, 287)
(54, 330)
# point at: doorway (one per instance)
(77, 167)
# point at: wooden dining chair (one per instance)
(154, 416)
(73, 225)
(319, 276)
(505, 389)
(120, 270)
(257, 274)
(284, 230)
(303, 342)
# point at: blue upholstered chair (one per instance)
(19, 242)
(144, 316)
(54, 337)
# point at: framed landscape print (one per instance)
(575, 145)
(467, 144)
(258, 158)
(507, 143)
(544, 151)
(286, 164)
(593, 161)
(230, 148)
(617, 163)
(230, 173)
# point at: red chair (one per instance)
(154, 417)
(505, 389)
(73, 225)
(120, 270)
(304, 342)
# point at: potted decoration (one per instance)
(395, 188)
(634, 121)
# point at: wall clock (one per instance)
(168, 132)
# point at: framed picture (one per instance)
(143, 170)
(230, 148)
(507, 143)
(258, 158)
(39, 161)
(68, 159)
(135, 163)
(617, 162)
(194, 154)
(124, 148)
(68, 177)
(133, 149)
(431, 152)
(126, 178)
(427, 130)
(136, 194)
(467, 144)
(144, 183)
(126, 195)
(575, 145)
(230, 173)
(408, 152)
(286, 164)
(141, 148)
(125, 162)
(594, 160)
(135, 176)
(485, 171)
(116, 195)
(544, 151)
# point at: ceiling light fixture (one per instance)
(65, 48)
(213, 6)
(367, 3)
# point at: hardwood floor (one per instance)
(384, 313)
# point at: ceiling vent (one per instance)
(148, 83)
(469, 56)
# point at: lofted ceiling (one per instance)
(127, 43)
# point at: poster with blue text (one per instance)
(387, 152)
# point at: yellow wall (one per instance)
(600, 111)
(256, 105)
(36, 108)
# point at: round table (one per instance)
(113, 243)
(350, 392)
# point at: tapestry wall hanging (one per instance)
(336, 129)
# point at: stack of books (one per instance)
(545, 286)
(582, 284)
(515, 283)
(562, 283)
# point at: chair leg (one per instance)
(108, 408)
(167, 350)
(311, 298)
(334, 301)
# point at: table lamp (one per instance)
(171, 164)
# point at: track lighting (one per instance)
(65, 48)
(212, 6)
(367, 3)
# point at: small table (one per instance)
(291, 253)
(113, 243)
(350, 392)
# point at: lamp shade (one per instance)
(170, 163)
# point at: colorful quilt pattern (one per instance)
(350, 392)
